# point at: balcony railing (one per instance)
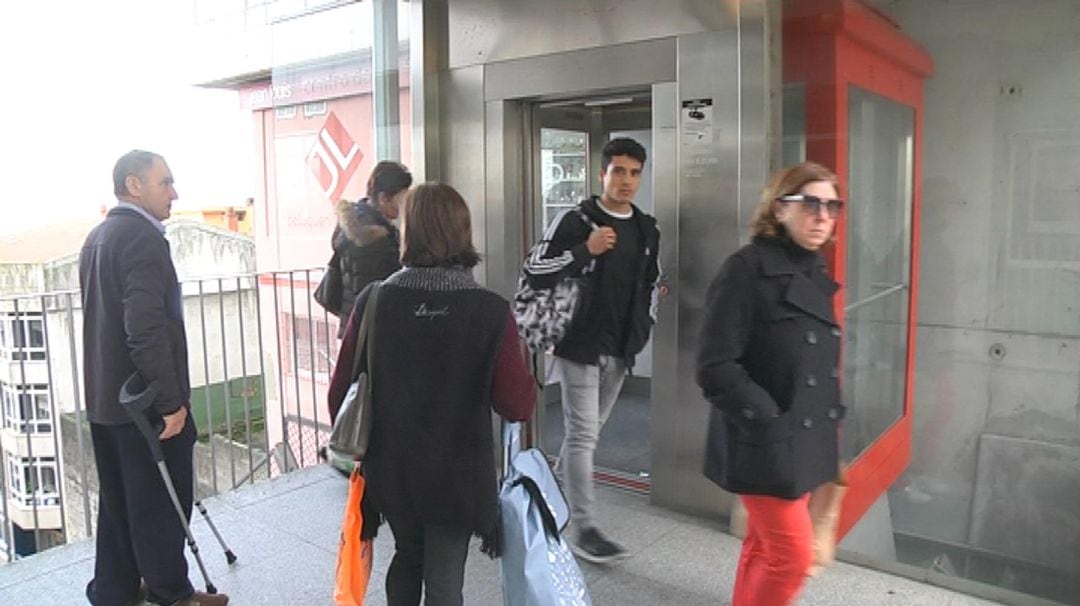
(260, 356)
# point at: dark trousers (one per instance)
(427, 558)
(139, 535)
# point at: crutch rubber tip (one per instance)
(211, 589)
(230, 557)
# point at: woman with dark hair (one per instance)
(769, 365)
(446, 353)
(366, 243)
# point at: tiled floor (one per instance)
(624, 441)
(285, 533)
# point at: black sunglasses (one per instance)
(812, 205)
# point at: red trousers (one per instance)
(776, 552)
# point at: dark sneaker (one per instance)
(593, 547)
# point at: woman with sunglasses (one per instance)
(769, 365)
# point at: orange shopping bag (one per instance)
(354, 555)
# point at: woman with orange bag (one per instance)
(446, 354)
(769, 364)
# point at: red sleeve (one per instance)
(513, 392)
(342, 375)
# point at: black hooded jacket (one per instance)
(563, 253)
(367, 246)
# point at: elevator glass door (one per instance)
(568, 136)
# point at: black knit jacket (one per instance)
(431, 457)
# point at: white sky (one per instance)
(83, 82)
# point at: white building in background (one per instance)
(41, 353)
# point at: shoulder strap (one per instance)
(364, 336)
(585, 218)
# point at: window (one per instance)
(325, 344)
(318, 108)
(26, 408)
(9, 408)
(22, 337)
(4, 528)
(33, 480)
(285, 112)
(48, 480)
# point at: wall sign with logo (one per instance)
(334, 158)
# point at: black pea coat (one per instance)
(769, 365)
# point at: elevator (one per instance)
(526, 107)
(530, 94)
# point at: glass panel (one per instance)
(14, 475)
(390, 80)
(48, 480)
(26, 407)
(30, 481)
(793, 144)
(321, 148)
(563, 169)
(37, 333)
(878, 266)
(20, 334)
(41, 406)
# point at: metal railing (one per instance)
(256, 396)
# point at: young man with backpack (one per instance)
(610, 247)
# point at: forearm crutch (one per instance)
(229, 556)
(136, 397)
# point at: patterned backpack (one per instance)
(544, 315)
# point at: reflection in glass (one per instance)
(564, 169)
(793, 144)
(391, 93)
(41, 406)
(48, 480)
(880, 161)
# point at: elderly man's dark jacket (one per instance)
(769, 365)
(132, 316)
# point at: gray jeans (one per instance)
(588, 395)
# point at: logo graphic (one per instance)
(334, 158)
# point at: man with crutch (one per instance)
(133, 320)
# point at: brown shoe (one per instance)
(142, 596)
(139, 599)
(204, 599)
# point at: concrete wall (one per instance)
(997, 391)
(20, 278)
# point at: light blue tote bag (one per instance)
(538, 568)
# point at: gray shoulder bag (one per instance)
(352, 428)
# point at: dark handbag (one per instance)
(352, 428)
(331, 288)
